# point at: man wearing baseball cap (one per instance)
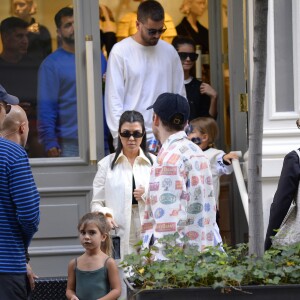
(5, 101)
(180, 198)
(19, 218)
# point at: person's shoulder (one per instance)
(154, 157)
(122, 45)
(11, 149)
(166, 48)
(44, 29)
(195, 82)
(110, 262)
(292, 157)
(201, 28)
(107, 160)
(59, 55)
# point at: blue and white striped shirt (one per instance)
(19, 207)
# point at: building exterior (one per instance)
(65, 184)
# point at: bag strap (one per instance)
(75, 265)
(106, 261)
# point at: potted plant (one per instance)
(212, 274)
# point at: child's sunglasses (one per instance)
(127, 134)
(184, 55)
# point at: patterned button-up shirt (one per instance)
(181, 197)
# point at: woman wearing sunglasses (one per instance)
(121, 182)
(201, 96)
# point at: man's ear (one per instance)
(58, 32)
(137, 24)
(156, 119)
(22, 128)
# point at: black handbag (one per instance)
(116, 252)
(116, 244)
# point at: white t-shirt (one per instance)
(136, 75)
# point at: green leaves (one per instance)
(187, 267)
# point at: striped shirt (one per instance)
(19, 207)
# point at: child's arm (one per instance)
(71, 285)
(224, 163)
(114, 281)
(208, 90)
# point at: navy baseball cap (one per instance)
(9, 99)
(172, 108)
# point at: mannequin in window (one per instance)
(127, 26)
(39, 36)
(190, 26)
(108, 29)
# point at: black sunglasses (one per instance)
(184, 55)
(127, 134)
(155, 31)
(6, 106)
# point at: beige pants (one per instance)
(134, 237)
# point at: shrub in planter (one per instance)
(222, 271)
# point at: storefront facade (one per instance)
(65, 184)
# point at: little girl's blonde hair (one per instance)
(207, 125)
(101, 222)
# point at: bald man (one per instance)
(15, 126)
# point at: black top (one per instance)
(286, 191)
(20, 79)
(199, 103)
(107, 39)
(134, 201)
(200, 38)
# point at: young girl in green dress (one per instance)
(93, 275)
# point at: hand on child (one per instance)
(206, 89)
(138, 193)
(74, 298)
(229, 156)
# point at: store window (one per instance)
(43, 77)
(283, 44)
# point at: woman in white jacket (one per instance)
(122, 180)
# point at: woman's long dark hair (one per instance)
(132, 116)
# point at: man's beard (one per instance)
(69, 40)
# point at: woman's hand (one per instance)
(111, 222)
(206, 89)
(138, 193)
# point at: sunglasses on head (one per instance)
(184, 55)
(127, 134)
(7, 107)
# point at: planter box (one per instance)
(278, 292)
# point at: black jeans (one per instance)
(14, 287)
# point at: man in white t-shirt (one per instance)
(140, 68)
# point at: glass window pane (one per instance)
(41, 75)
(283, 35)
